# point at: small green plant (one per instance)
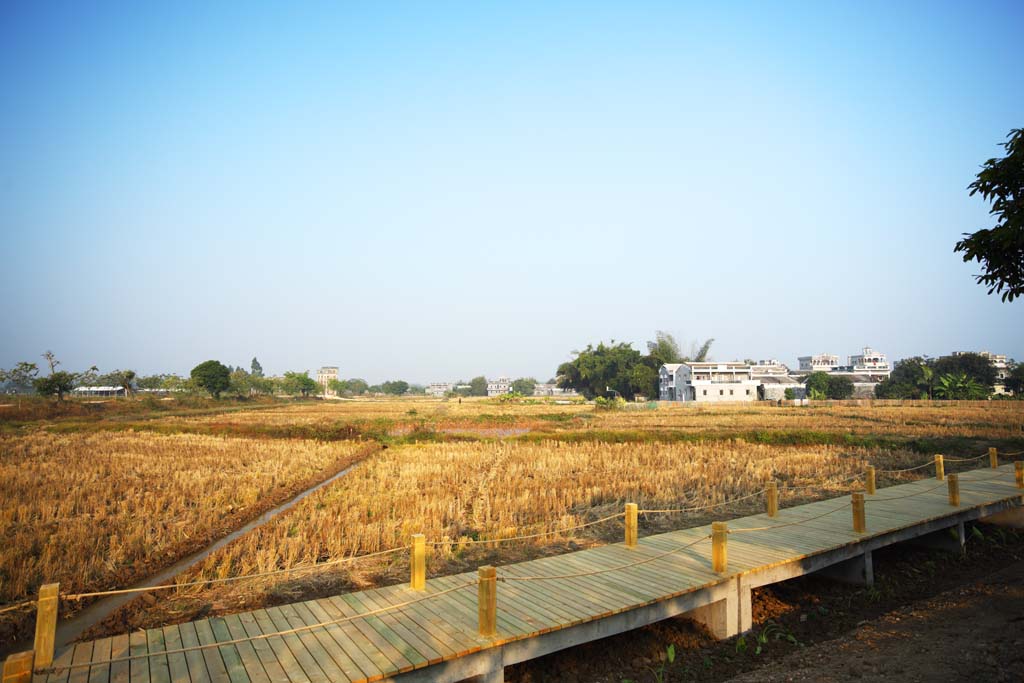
(670, 657)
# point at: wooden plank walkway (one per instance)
(381, 633)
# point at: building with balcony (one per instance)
(822, 362)
(769, 368)
(869, 362)
(709, 382)
(497, 387)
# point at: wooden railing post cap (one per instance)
(18, 667)
(487, 572)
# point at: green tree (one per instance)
(124, 379)
(960, 386)
(240, 382)
(644, 381)
(839, 387)
(1015, 380)
(602, 370)
(395, 387)
(478, 386)
(255, 369)
(151, 382)
(664, 349)
(357, 386)
(212, 376)
(973, 365)
(524, 386)
(338, 386)
(817, 385)
(19, 378)
(57, 384)
(1000, 249)
(299, 384)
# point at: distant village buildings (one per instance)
(497, 387)
(999, 362)
(767, 379)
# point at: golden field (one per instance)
(92, 511)
(96, 505)
(487, 418)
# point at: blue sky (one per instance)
(437, 190)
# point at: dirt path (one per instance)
(971, 633)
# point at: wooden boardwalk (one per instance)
(605, 590)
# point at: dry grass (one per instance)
(462, 493)
(92, 511)
(488, 418)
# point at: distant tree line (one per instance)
(968, 376)
(211, 376)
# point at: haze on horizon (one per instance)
(432, 192)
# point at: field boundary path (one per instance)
(472, 625)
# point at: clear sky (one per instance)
(432, 191)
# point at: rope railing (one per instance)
(229, 579)
(539, 534)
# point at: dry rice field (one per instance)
(93, 509)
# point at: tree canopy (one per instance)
(524, 386)
(395, 387)
(1000, 249)
(478, 386)
(299, 384)
(212, 376)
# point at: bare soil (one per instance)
(931, 616)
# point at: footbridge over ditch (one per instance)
(473, 625)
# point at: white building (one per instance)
(502, 385)
(773, 387)
(324, 376)
(709, 382)
(822, 362)
(869, 362)
(769, 368)
(552, 390)
(439, 389)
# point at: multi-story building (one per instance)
(708, 382)
(439, 389)
(497, 387)
(822, 362)
(667, 382)
(324, 376)
(869, 362)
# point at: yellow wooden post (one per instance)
(418, 563)
(953, 482)
(869, 482)
(18, 668)
(773, 499)
(487, 600)
(993, 457)
(719, 549)
(859, 521)
(631, 513)
(940, 470)
(46, 625)
(1018, 470)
